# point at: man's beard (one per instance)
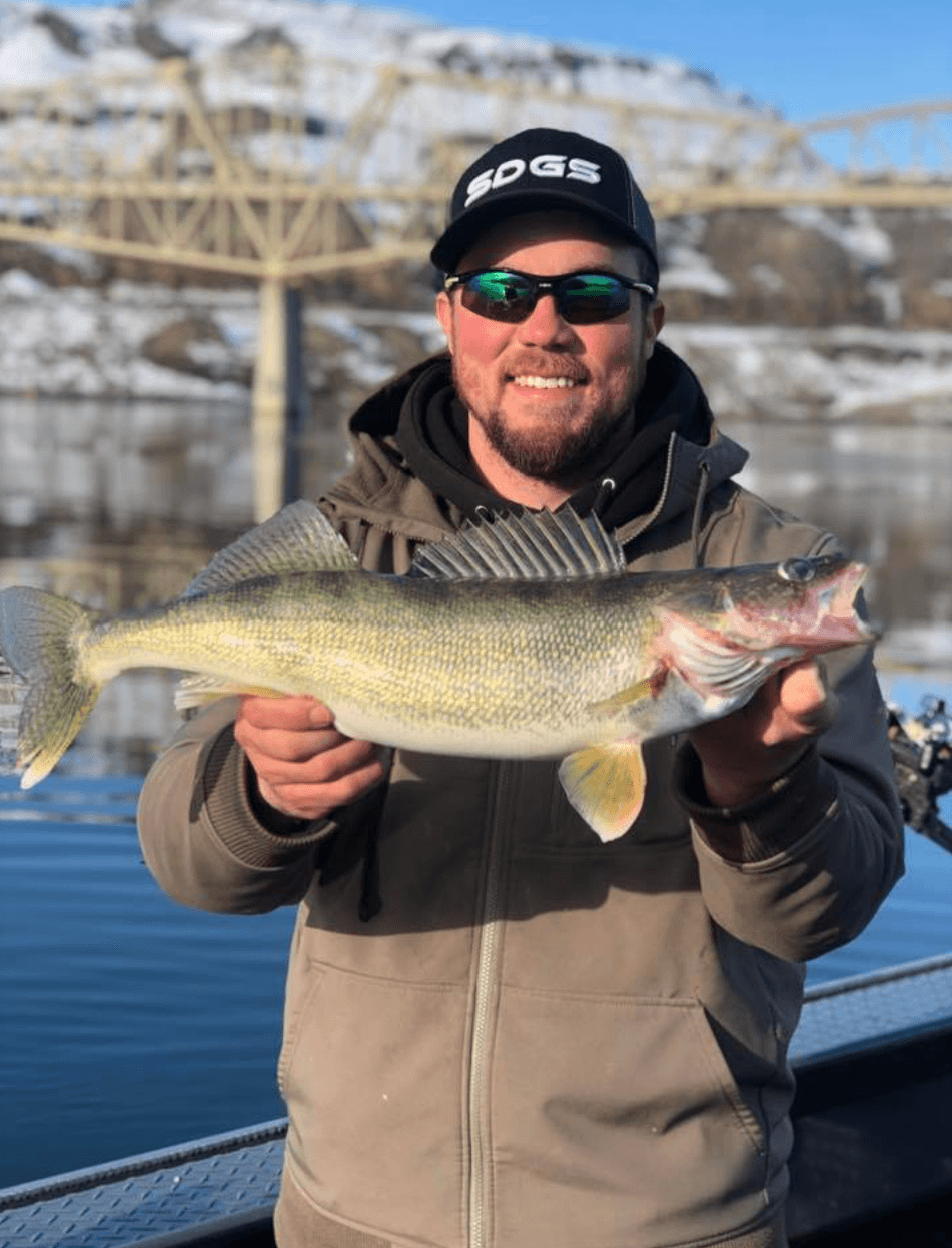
(553, 454)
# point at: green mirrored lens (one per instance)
(503, 296)
(590, 297)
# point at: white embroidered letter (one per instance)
(508, 172)
(548, 166)
(584, 170)
(479, 186)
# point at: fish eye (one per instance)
(797, 570)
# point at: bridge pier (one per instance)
(278, 398)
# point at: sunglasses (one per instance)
(581, 298)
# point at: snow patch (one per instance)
(16, 285)
(689, 269)
(863, 238)
(30, 57)
(925, 646)
(890, 296)
(87, 263)
(774, 371)
(767, 278)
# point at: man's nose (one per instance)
(545, 325)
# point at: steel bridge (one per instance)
(278, 167)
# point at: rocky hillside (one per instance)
(797, 313)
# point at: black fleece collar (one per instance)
(432, 436)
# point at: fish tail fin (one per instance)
(39, 633)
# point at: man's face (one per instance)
(546, 432)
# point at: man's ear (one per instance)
(654, 323)
(444, 314)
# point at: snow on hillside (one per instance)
(44, 44)
(230, 42)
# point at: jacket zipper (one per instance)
(486, 974)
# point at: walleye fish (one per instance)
(523, 637)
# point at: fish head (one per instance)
(738, 625)
(806, 604)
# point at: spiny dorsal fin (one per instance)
(298, 538)
(531, 546)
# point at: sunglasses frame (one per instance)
(545, 284)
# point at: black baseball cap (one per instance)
(539, 169)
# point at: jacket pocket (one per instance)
(627, 1098)
(295, 1014)
(370, 1071)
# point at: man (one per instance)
(498, 1030)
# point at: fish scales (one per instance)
(508, 669)
(553, 651)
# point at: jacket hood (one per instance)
(411, 473)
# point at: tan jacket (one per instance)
(538, 1040)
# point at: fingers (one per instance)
(303, 765)
(327, 765)
(313, 799)
(292, 713)
(743, 753)
(284, 730)
(283, 744)
(803, 704)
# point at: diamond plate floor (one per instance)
(860, 1012)
(158, 1193)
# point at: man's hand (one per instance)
(744, 753)
(304, 766)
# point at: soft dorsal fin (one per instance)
(531, 546)
(298, 538)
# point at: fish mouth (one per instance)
(823, 615)
(836, 609)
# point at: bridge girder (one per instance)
(279, 167)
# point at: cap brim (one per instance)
(460, 234)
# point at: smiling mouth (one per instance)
(545, 383)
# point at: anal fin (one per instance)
(199, 690)
(606, 785)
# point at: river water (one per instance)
(128, 1022)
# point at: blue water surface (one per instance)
(130, 1022)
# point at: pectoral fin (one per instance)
(606, 785)
(625, 698)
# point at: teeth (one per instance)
(545, 383)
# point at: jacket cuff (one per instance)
(236, 821)
(794, 804)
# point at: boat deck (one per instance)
(872, 1053)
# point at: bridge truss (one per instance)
(279, 167)
(276, 167)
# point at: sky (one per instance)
(809, 59)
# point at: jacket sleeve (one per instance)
(199, 835)
(803, 869)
